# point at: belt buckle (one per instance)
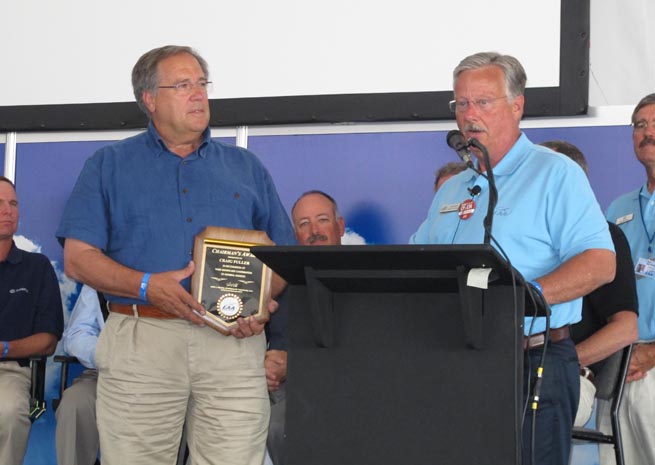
(534, 340)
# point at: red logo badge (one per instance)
(466, 209)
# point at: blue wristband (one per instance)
(538, 287)
(5, 351)
(144, 286)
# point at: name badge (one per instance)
(624, 218)
(645, 268)
(450, 207)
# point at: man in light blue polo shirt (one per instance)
(547, 221)
(634, 213)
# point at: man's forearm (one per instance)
(620, 331)
(579, 276)
(36, 344)
(90, 266)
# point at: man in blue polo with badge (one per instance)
(634, 213)
(547, 221)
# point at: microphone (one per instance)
(475, 190)
(455, 140)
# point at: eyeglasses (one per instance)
(482, 104)
(186, 87)
(641, 125)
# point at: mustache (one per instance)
(316, 237)
(646, 141)
(474, 127)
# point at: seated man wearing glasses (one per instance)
(129, 229)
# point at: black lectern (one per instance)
(394, 359)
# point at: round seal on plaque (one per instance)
(229, 306)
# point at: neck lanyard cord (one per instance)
(643, 222)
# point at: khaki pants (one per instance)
(15, 422)
(157, 374)
(76, 435)
(586, 404)
(637, 419)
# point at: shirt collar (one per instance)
(157, 140)
(644, 192)
(512, 159)
(15, 255)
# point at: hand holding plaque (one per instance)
(229, 281)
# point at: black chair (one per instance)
(609, 386)
(37, 389)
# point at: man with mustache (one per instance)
(316, 221)
(634, 213)
(129, 228)
(546, 220)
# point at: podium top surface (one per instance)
(290, 261)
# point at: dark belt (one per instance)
(537, 340)
(146, 311)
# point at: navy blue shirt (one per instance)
(30, 301)
(142, 205)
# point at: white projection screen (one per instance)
(67, 64)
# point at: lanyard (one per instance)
(643, 222)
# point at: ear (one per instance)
(342, 227)
(517, 106)
(149, 101)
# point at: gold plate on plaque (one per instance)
(229, 281)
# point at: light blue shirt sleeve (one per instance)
(84, 326)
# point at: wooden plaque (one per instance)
(229, 281)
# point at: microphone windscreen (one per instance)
(455, 140)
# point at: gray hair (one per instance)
(145, 76)
(647, 100)
(515, 77)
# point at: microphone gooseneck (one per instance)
(493, 191)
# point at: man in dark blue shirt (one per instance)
(31, 323)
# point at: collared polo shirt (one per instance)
(546, 214)
(638, 223)
(143, 205)
(30, 301)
